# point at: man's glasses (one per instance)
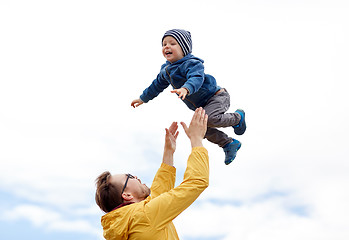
(128, 177)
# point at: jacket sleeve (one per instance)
(155, 88)
(164, 180)
(195, 76)
(167, 206)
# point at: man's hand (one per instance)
(136, 102)
(170, 143)
(197, 128)
(182, 92)
(171, 137)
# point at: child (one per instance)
(196, 89)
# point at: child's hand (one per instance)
(136, 103)
(182, 92)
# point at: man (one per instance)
(132, 213)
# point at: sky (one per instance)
(70, 69)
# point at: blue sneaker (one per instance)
(241, 127)
(230, 151)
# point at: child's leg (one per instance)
(230, 146)
(218, 137)
(216, 108)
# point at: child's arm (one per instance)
(194, 72)
(151, 92)
(136, 103)
(182, 92)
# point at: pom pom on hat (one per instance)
(183, 38)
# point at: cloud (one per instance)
(49, 219)
(36, 215)
(267, 219)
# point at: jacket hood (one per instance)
(115, 223)
(189, 56)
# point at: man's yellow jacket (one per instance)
(151, 219)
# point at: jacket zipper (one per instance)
(177, 88)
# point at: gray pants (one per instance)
(216, 108)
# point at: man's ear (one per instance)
(127, 196)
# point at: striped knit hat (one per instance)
(183, 37)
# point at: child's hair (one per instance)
(183, 38)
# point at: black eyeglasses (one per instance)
(128, 177)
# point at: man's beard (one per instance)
(146, 192)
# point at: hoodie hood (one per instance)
(183, 59)
(115, 223)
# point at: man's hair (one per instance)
(108, 195)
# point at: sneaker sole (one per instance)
(243, 124)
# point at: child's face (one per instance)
(171, 49)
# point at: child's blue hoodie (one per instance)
(188, 72)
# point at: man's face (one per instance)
(134, 186)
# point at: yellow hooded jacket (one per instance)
(152, 218)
